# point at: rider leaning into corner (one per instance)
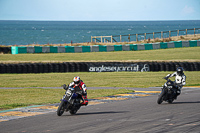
(179, 79)
(78, 85)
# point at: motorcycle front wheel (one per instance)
(61, 108)
(160, 97)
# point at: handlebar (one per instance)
(167, 78)
(65, 87)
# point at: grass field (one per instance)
(94, 79)
(30, 96)
(12, 98)
(23, 97)
(174, 54)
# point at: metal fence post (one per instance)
(161, 34)
(136, 37)
(186, 32)
(111, 39)
(169, 34)
(153, 35)
(177, 32)
(120, 38)
(145, 34)
(194, 31)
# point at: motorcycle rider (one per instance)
(78, 85)
(180, 80)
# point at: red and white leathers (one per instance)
(80, 87)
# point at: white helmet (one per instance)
(76, 80)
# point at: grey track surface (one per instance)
(136, 115)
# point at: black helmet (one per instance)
(180, 71)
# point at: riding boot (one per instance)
(85, 100)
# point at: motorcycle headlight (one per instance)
(68, 92)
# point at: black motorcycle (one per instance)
(70, 101)
(168, 93)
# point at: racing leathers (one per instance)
(81, 87)
(180, 81)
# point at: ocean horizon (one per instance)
(24, 32)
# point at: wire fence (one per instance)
(144, 36)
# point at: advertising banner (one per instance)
(118, 67)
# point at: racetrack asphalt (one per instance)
(139, 114)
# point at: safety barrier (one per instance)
(97, 67)
(104, 48)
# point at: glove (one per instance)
(64, 87)
(165, 78)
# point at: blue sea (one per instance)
(60, 32)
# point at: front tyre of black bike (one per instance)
(160, 97)
(61, 108)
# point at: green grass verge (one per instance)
(12, 98)
(22, 97)
(173, 54)
(93, 79)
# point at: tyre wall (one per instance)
(5, 50)
(93, 66)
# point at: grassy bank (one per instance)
(13, 98)
(93, 79)
(22, 97)
(173, 54)
(172, 38)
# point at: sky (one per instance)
(99, 10)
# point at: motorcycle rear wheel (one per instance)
(170, 100)
(72, 112)
(61, 108)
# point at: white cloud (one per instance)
(187, 10)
